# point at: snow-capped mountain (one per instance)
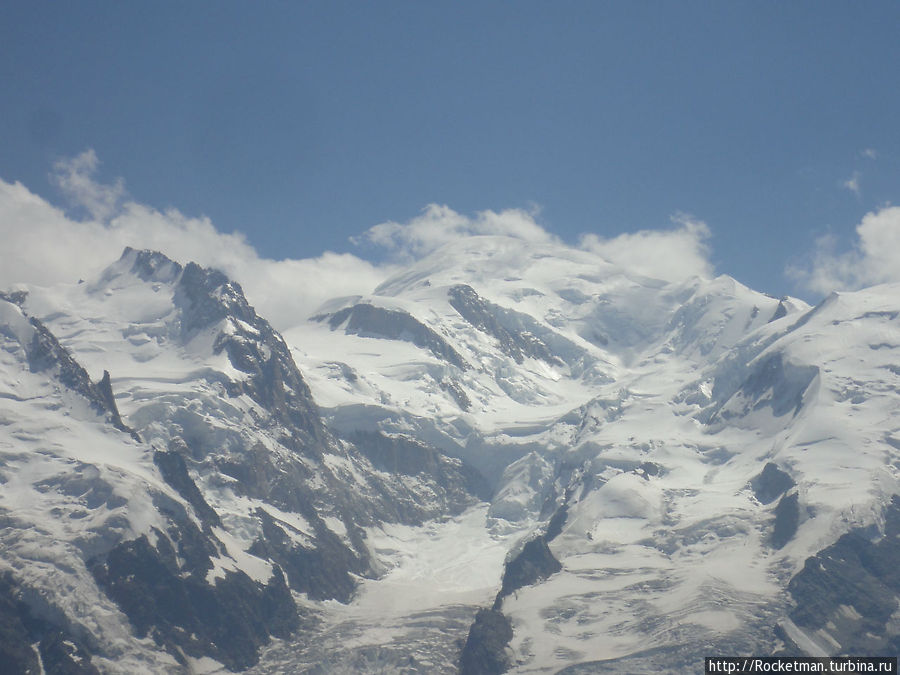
(505, 458)
(181, 533)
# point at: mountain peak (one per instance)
(150, 265)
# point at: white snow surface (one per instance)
(50, 440)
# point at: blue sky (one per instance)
(303, 124)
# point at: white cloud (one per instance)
(873, 259)
(852, 183)
(869, 153)
(43, 246)
(76, 177)
(438, 225)
(671, 255)
(288, 291)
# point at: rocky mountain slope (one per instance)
(504, 458)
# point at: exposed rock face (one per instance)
(46, 355)
(780, 312)
(534, 563)
(151, 266)
(484, 652)
(849, 593)
(106, 392)
(174, 604)
(784, 383)
(557, 522)
(773, 382)
(15, 643)
(787, 517)
(771, 483)
(16, 297)
(322, 572)
(400, 455)
(458, 393)
(517, 340)
(207, 297)
(485, 648)
(25, 637)
(174, 471)
(370, 321)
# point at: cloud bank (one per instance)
(671, 255)
(438, 225)
(44, 245)
(873, 259)
(76, 177)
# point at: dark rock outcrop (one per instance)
(206, 297)
(517, 341)
(368, 320)
(174, 471)
(485, 649)
(47, 355)
(322, 571)
(780, 311)
(784, 382)
(851, 590)
(533, 563)
(106, 393)
(173, 603)
(787, 517)
(484, 652)
(16, 653)
(771, 483)
(15, 297)
(402, 455)
(150, 265)
(457, 393)
(557, 522)
(772, 381)
(24, 636)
